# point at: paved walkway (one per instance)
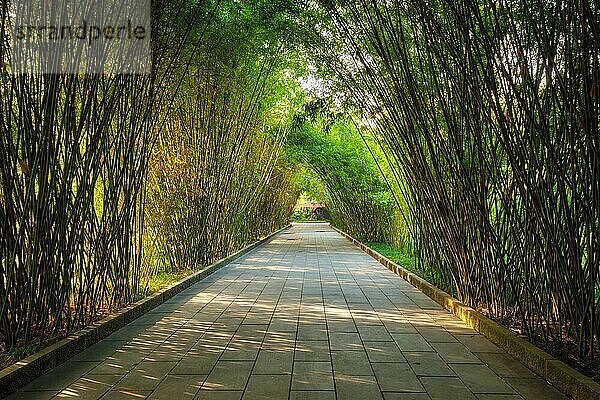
(306, 316)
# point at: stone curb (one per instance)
(569, 381)
(23, 372)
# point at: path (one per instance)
(306, 316)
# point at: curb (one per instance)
(21, 373)
(564, 378)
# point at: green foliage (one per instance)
(357, 198)
(395, 254)
(310, 185)
(460, 139)
(163, 279)
(487, 114)
(16, 353)
(410, 262)
(216, 180)
(107, 180)
(307, 216)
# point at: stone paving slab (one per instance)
(306, 316)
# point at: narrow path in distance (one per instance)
(305, 316)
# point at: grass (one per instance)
(161, 281)
(408, 261)
(164, 279)
(395, 254)
(11, 356)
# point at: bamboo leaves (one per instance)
(489, 114)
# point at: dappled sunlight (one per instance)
(193, 327)
(269, 268)
(357, 379)
(151, 377)
(149, 196)
(365, 316)
(97, 384)
(240, 343)
(211, 386)
(275, 322)
(70, 393)
(132, 394)
(337, 313)
(207, 348)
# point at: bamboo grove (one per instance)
(109, 179)
(488, 111)
(358, 200)
(464, 133)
